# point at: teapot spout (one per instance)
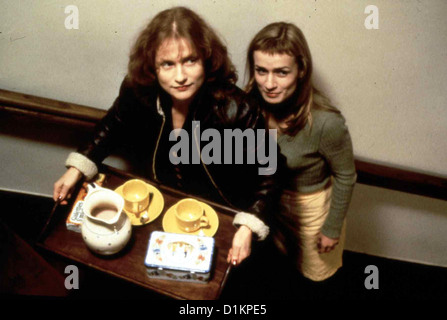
(103, 205)
(105, 214)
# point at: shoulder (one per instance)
(237, 107)
(135, 95)
(331, 126)
(234, 97)
(129, 88)
(133, 102)
(327, 119)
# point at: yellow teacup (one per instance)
(189, 214)
(136, 196)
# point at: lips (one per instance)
(183, 88)
(272, 94)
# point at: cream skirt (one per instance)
(300, 221)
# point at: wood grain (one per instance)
(129, 263)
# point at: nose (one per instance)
(180, 76)
(270, 83)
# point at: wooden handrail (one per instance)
(404, 180)
(369, 173)
(20, 103)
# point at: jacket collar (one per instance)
(197, 107)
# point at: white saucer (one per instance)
(153, 210)
(170, 223)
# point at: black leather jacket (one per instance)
(140, 121)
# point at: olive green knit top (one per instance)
(319, 151)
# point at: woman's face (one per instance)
(276, 75)
(180, 71)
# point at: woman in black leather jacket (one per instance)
(180, 77)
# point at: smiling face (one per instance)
(275, 75)
(180, 70)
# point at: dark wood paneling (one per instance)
(84, 118)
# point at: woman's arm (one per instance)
(253, 223)
(64, 186)
(85, 161)
(105, 137)
(241, 247)
(336, 147)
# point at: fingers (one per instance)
(325, 246)
(57, 191)
(234, 256)
(230, 255)
(64, 186)
(239, 254)
(325, 249)
(61, 193)
(241, 247)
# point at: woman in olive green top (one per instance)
(315, 140)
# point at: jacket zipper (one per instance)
(160, 112)
(207, 172)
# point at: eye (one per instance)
(166, 64)
(260, 71)
(282, 73)
(191, 61)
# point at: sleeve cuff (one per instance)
(83, 164)
(254, 223)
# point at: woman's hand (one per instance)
(64, 186)
(325, 244)
(241, 245)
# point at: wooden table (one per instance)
(129, 263)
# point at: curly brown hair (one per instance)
(175, 23)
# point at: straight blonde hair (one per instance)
(286, 38)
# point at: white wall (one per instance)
(397, 225)
(389, 84)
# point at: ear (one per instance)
(302, 67)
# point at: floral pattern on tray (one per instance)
(179, 252)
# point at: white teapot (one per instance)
(106, 229)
